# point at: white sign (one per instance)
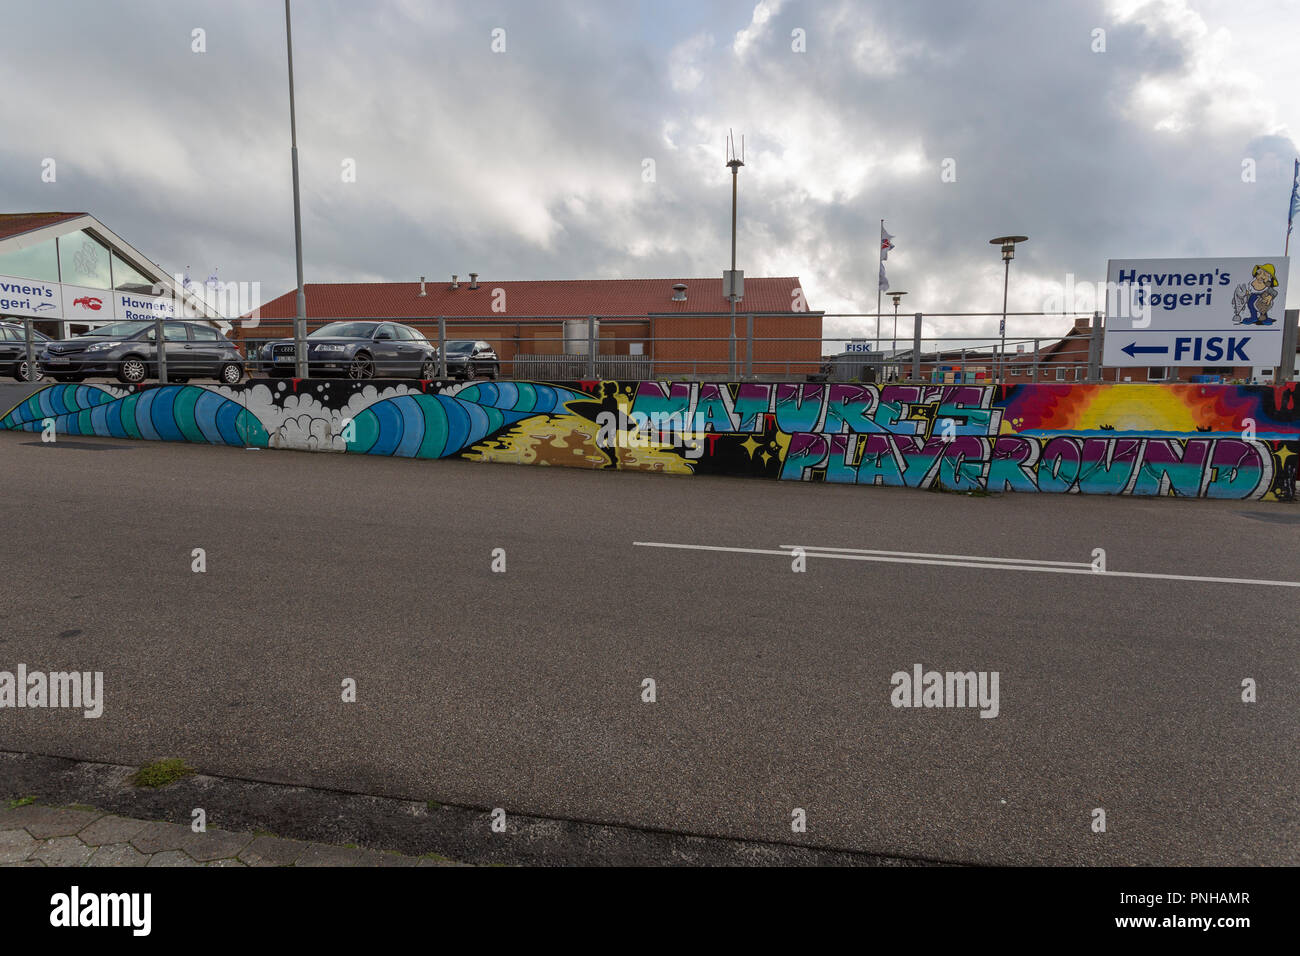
(1216, 312)
(30, 297)
(132, 305)
(81, 303)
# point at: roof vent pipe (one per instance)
(454, 283)
(473, 280)
(679, 292)
(422, 292)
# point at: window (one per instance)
(39, 262)
(83, 260)
(126, 278)
(122, 330)
(403, 333)
(204, 333)
(384, 332)
(1157, 373)
(172, 332)
(1060, 375)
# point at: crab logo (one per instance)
(90, 302)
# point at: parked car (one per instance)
(468, 359)
(358, 349)
(128, 351)
(13, 352)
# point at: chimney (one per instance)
(679, 292)
(473, 280)
(454, 283)
(422, 292)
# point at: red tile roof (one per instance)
(547, 297)
(16, 223)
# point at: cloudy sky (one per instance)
(531, 162)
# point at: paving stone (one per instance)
(24, 863)
(16, 845)
(430, 861)
(272, 851)
(172, 858)
(46, 822)
(376, 858)
(318, 854)
(63, 851)
(155, 837)
(118, 854)
(224, 863)
(111, 829)
(215, 844)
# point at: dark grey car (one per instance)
(128, 351)
(358, 349)
(13, 352)
(469, 359)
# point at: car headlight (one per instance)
(331, 348)
(102, 346)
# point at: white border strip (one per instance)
(945, 557)
(975, 564)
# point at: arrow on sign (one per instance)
(1133, 349)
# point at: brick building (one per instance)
(661, 326)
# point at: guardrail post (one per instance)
(591, 347)
(442, 346)
(1094, 349)
(1035, 361)
(31, 347)
(160, 348)
(749, 345)
(916, 347)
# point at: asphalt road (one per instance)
(522, 689)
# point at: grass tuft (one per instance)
(161, 772)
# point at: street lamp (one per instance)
(1008, 244)
(300, 368)
(893, 351)
(732, 289)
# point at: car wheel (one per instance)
(25, 371)
(362, 367)
(470, 372)
(230, 373)
(133, 370)
(495, 373)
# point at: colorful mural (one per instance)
(1218, 441)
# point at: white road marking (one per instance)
(989, 565)
(946, 557)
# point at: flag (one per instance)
(886, 243)
(1295, 199)
(212, 279)
(187, 283)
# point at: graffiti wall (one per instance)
(1217, 441)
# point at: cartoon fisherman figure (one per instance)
(1254, 298)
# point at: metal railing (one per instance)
(634, 347)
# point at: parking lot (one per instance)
(524, 689)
